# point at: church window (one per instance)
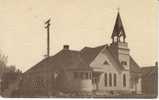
(105, 79)
(124, 80)
(124, 63)
(115, 78)
(105, 62)
(82, 75)
(88, 75)
(110, 79)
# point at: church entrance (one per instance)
(96, 80)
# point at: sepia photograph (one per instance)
(78, 49)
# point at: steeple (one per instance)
(119, 47)
(118, 31)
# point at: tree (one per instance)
(3, 64)
(9, 77)
(8, 74)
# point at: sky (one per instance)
(78, 23)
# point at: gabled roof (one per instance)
(78, 60)
(114, 60)
(88, 54)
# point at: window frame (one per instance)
(105, 79)
(82, 75)
(110, 79)
(115, 79)
(124, 80)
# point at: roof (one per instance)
(134, 67)
(148, 71)
(78, 60)
(135, 70)
(113, 59)
(69, 59)
(88, 54)
(62, 60)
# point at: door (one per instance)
(96, 80)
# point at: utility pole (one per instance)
(47, 27)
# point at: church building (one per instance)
(108, 68)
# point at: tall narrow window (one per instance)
(124, 80)
(115, 79)
(106, 79)
(89, 75)
(110, 79)
(86, 75)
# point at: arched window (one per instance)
(115, 78)
(110, 79)
(105, 62)
(124, 80)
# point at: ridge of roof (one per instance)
(148, 66)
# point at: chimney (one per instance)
(156, 64)
(66, 47)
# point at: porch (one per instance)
(89, 80)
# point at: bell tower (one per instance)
(118, 31)
(119, 46)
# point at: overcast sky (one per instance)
(78, 23)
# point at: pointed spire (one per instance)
(118, 29)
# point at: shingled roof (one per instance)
(88, 54)
(62, 60)
(148, 71)
(79, 60)
(134, 67)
